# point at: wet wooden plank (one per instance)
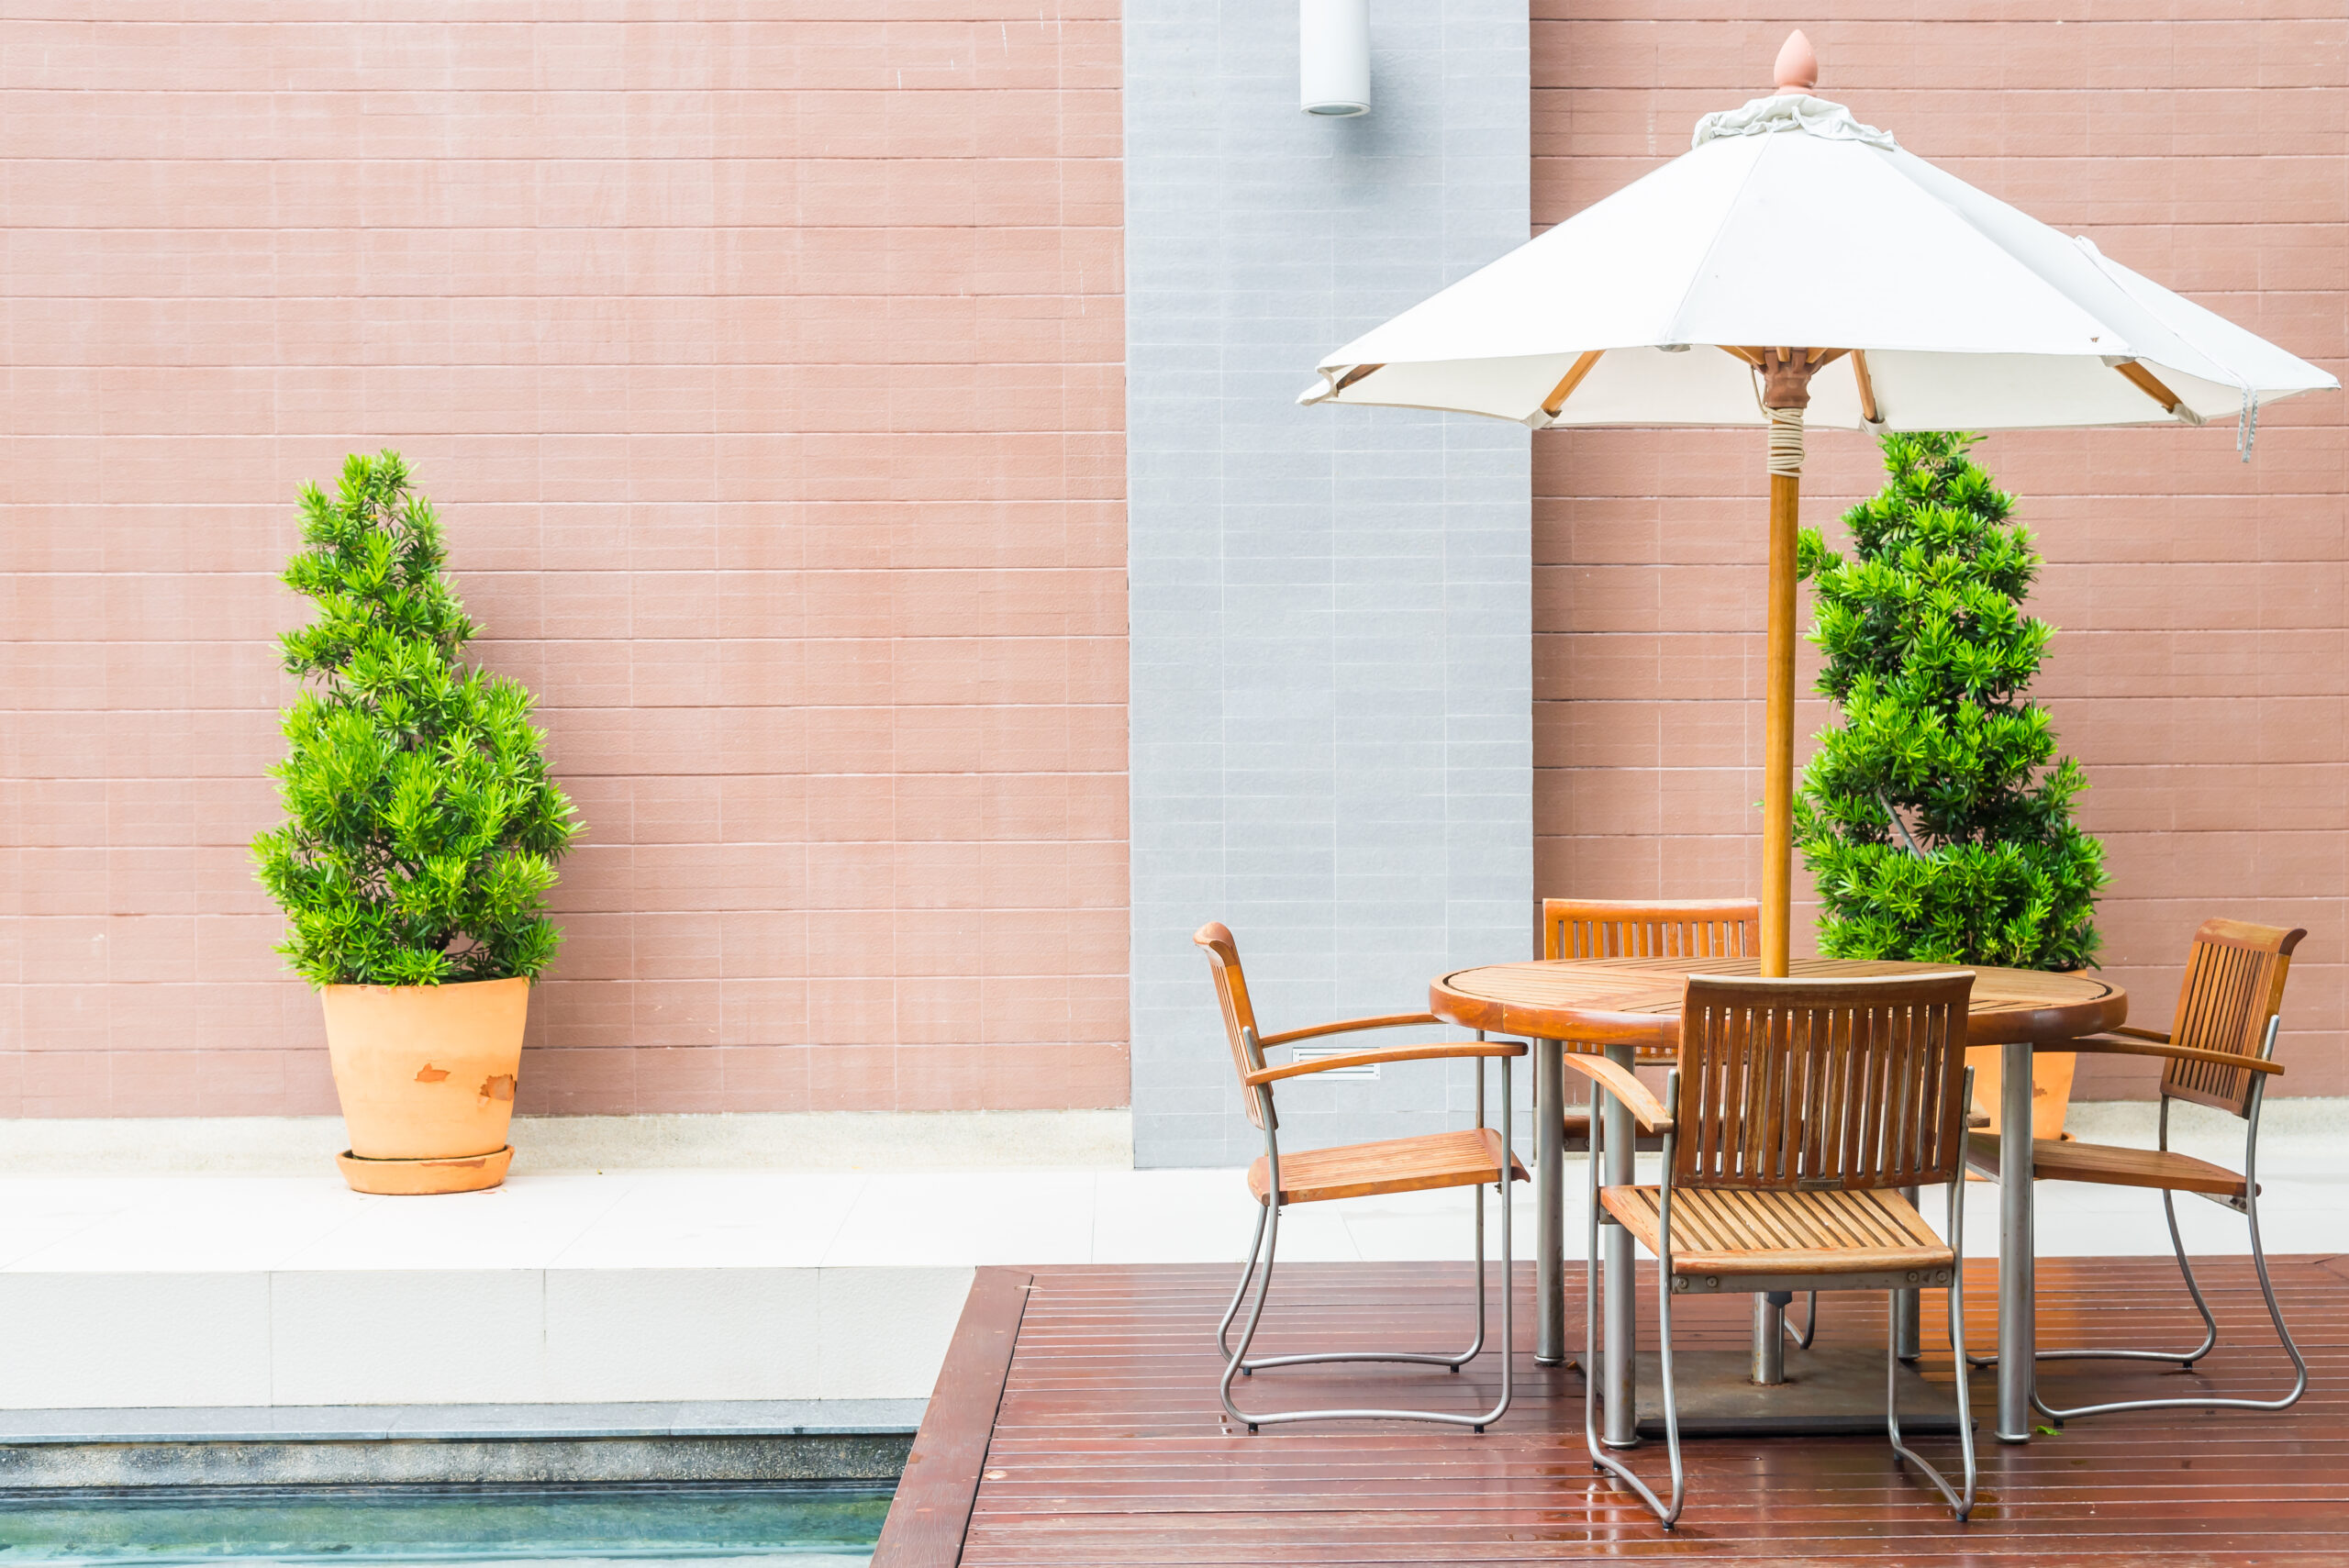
(1107, 1446)
(932, 1511)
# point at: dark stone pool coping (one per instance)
(728, 1440)
(377, 1423)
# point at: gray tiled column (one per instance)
(1332, 690)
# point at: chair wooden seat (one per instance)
(1465, 1159)
(1731, 1230)
(2108, 1165)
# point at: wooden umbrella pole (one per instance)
(1786, 393)
(1778, 748)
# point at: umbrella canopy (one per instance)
(1791, 223)
(1798, 265)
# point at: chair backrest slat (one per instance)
(1834, 1096)
(1238, 1012)
(1804, 1085)
(2233, 985)
(1695, 927)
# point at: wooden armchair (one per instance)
(1471, 1158)
(2216, 1053)
(1670, 928)
(1797, 1111)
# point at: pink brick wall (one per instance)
(2203, 673)
(767, 371)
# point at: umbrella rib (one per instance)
(1867, 387)
(2151, 385)
(1353, 376)
(1567, 382)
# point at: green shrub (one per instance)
(1931, 819)
(422, 831)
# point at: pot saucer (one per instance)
(417, 1178)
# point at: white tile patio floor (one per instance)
(716, 1285)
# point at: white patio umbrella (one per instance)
(1797, 265)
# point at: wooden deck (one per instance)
(1077, 1424)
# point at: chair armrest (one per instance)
(1391, 1021)
(2133, 1032)
(1646, 1108)
(2117, 1045)
(1392, 1053)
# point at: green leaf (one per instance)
(421, 830)
(1927, 654)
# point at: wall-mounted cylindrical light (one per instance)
(1333, 58)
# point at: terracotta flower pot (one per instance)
(2050, 1087)
(426, 1075)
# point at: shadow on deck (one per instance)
(1076, 1423)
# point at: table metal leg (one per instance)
(1769, 1357)
(1620, 1304)
(2017, 1342)
(1908, 1340)
(1549, 1203)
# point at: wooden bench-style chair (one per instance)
(1472, 1157)
(1797, 1111)
(2217, 1049)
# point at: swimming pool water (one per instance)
(780, 1525)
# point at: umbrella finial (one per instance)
(1797, 67)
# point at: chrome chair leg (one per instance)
(2186, 1271)
(1810, 1326)
(1237, 1363)
(1960, 1506)
(1255, 1247)
(1449, 1363)
(2266, 1289)
(1664, 1361)
(2184, 1359)
(2177, 1247)
(1602, 1460)
(1270, 1229)
(2205, 1401)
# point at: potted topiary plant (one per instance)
(1936, 818)
(421, 840)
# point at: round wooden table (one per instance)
(1630, 1007)
(1594, 1002)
